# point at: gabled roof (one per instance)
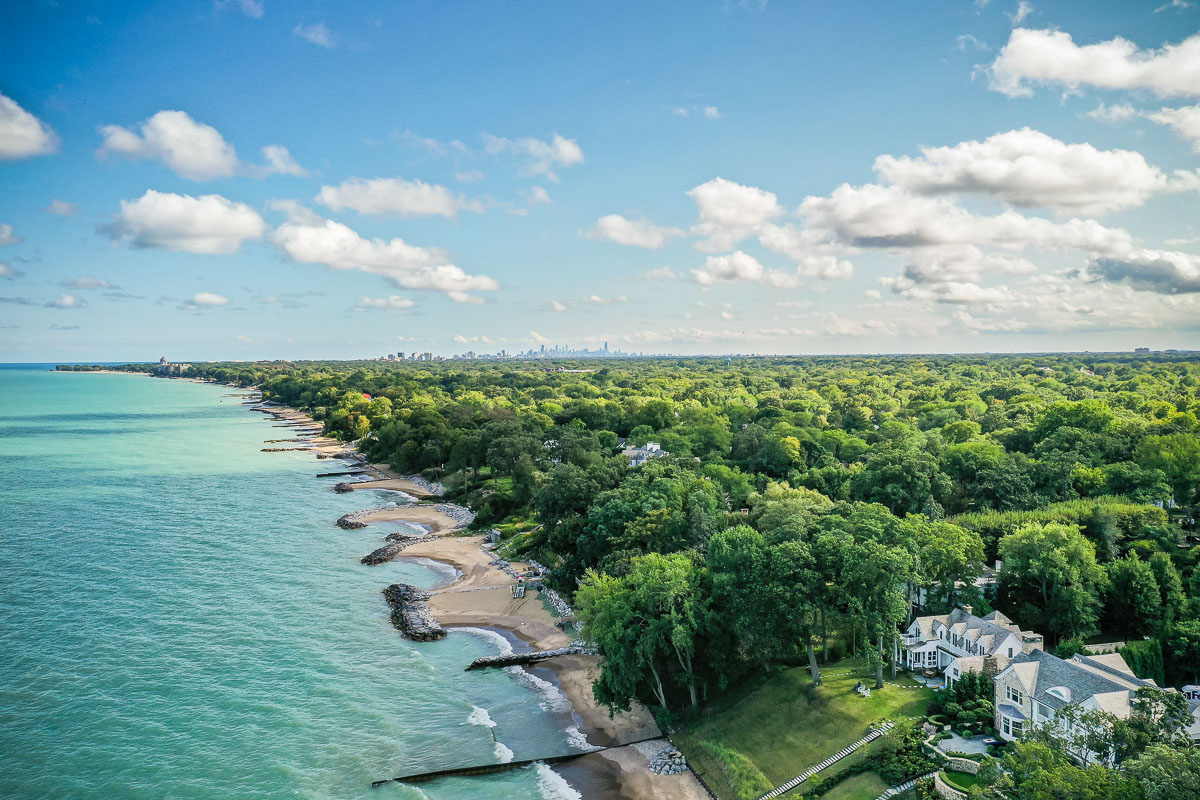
(1084, 677)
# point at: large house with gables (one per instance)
(960, 642)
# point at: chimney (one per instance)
(967, 608)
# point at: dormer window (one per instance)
(1061, 692)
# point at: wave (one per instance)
(552, 786)
(480, 716)
(503, 646)
(504, 754)
(553, 699)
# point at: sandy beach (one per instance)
(481, 597)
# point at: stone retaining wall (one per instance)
(945, 790)
(961, 765)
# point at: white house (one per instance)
(1037, 685)
(958, 642)
(640, 455)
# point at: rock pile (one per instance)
(357, 519)
(348, 455)
(530, 657)
(391, 549)
(462, 516)
(283, 449)
(429, 486)
(411, 538)
(668, 761)
(411, 614)
(343, 487)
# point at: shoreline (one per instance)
(480, 597)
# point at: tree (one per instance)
(901, 479)
(947, 556)
(1134, 604)
(646, 625)
(1184, 645)
(1178, 456)
(1170, 587)
(1156, 717)
(1166, 773)
(1051, 577)
(1034, 770)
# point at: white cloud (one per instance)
(1113, 113)
(680, 112)
(62, 208)
(967, 40)
(739, 266)
(597, 300)
(1029, 169)
(308, 238)
(193, 149)
(66, 301)
(206, 224)
(730, 212)
(1178, 5)
(542, 157)
(87, 282)
(6, 271)
(1161, 271)
(1051, 57)
(463, 297)
(1185, 122)
(557, 306)
(712, 112)
(391, 303)
(634, 233)
(7, 236)
(538, 338)
(210, 299)
(836, 326)
(394, 197)
(975, 325)
(22, 134)
(658, 274)
(318, 34)
(814, 255)
(251, 8)
(1024, 9)
(280, 161)
(537, 196)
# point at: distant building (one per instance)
(1141, 349)
(166, 369)
(640, 455)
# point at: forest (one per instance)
(804, 508)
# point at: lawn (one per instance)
(960, 780)
(866, 786)
(781, 724)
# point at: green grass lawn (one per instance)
(782, 725)
(960, 780)
(866, 786)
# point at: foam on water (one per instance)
(503, 646)
(503, 753)
(552, 786)
(480, 716)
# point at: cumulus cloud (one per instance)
(1024, 9)
(62, 208)
(814, 255)
(22, 134)
(1161, 271)
(712, 112)
(739, 266)
(1030, 169)
(634, 233)
(7, 236)
(1114, 113)
(193, 149)
(537, 196)
(280, 162)
(66, 301)
(206, 224)
(318, 34)
(395, 197)
(1049, 57)
(391, 303)
(597, 300)
(308, 238)
(1185, 122)
(541, 157)
(730, 212)
(209, 299)
(658, 274)
(557, 306)
(1178, 5)
(966, 40)
(88, 282)
(7, 272)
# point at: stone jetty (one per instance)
(395, 543)
(343, 487)
(411, 614)
(532, 657)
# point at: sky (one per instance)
(246, 179)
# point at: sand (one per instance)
(436, 521)
(399, 484)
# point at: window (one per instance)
(1016, 728)
(1005, 726)
(1010, 651)
(1013, 694)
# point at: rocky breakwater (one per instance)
(343, 487)
(357, 519)
(668, 761)
(411, 614)
(395, 543)
(532, 657)
(462, 516)
(428, 486)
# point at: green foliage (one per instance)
(900, 755)
(739, 772)
(1166, 773)
(1145, 658)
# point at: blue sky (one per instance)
(284, 180)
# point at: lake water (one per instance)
(179, 617)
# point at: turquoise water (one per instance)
(180, 618)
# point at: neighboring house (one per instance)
(640, 455)
(958, 642)
(1037, 685)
